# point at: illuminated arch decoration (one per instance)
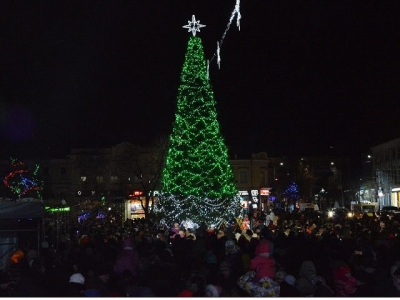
(21, 180)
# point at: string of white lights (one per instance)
(235, 12)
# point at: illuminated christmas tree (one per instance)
(197, 180)
(292, 192)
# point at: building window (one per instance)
(387, 154)
(63, 171)
(243, 176)
(99, 179)
(113, 178)
(263, 177)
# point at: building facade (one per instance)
(122, 180)
(254, 182)
(386, 170)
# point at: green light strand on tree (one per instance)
(197, 179)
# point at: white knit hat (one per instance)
(212, 291)
(290, 279)
(77, 278)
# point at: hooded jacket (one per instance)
(305, 283)
(127, 258)
(262, 263)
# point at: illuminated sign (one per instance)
(254, 194)
(264, 192)
(243, 193)
(137, 193)
(57, 209)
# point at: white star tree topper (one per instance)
(194, 26)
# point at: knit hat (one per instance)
(341, 273)
(263, 248)
(212, 291)
(280, 275)
(77, 278)
(229, 243)
(185, 293)
(92, 293)
(290, 279)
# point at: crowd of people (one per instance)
(295, 256)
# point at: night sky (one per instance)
(300, 77)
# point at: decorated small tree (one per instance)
(198, 185)
(292, 193)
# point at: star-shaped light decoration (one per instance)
(194, 26)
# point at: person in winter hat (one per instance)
(212, 290)
(233, 255)
(127, 258)
(195, 287)
(305, 283)
(288, 287)
(389, 286)
(76, 285)
(262, 263)
(345, 283)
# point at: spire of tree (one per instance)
(197, 179)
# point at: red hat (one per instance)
(262, 247)
(342, 273)
(185, 293)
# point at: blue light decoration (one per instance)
(292, 192)
(84, 216)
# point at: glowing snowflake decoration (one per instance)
(194, 26)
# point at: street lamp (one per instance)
(336, 171)
(321, 192)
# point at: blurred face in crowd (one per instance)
(105, 277)
(161, 237)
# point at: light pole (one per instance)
(336, 171)
(321, 193)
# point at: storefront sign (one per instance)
(264, 192)
(254, 194)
